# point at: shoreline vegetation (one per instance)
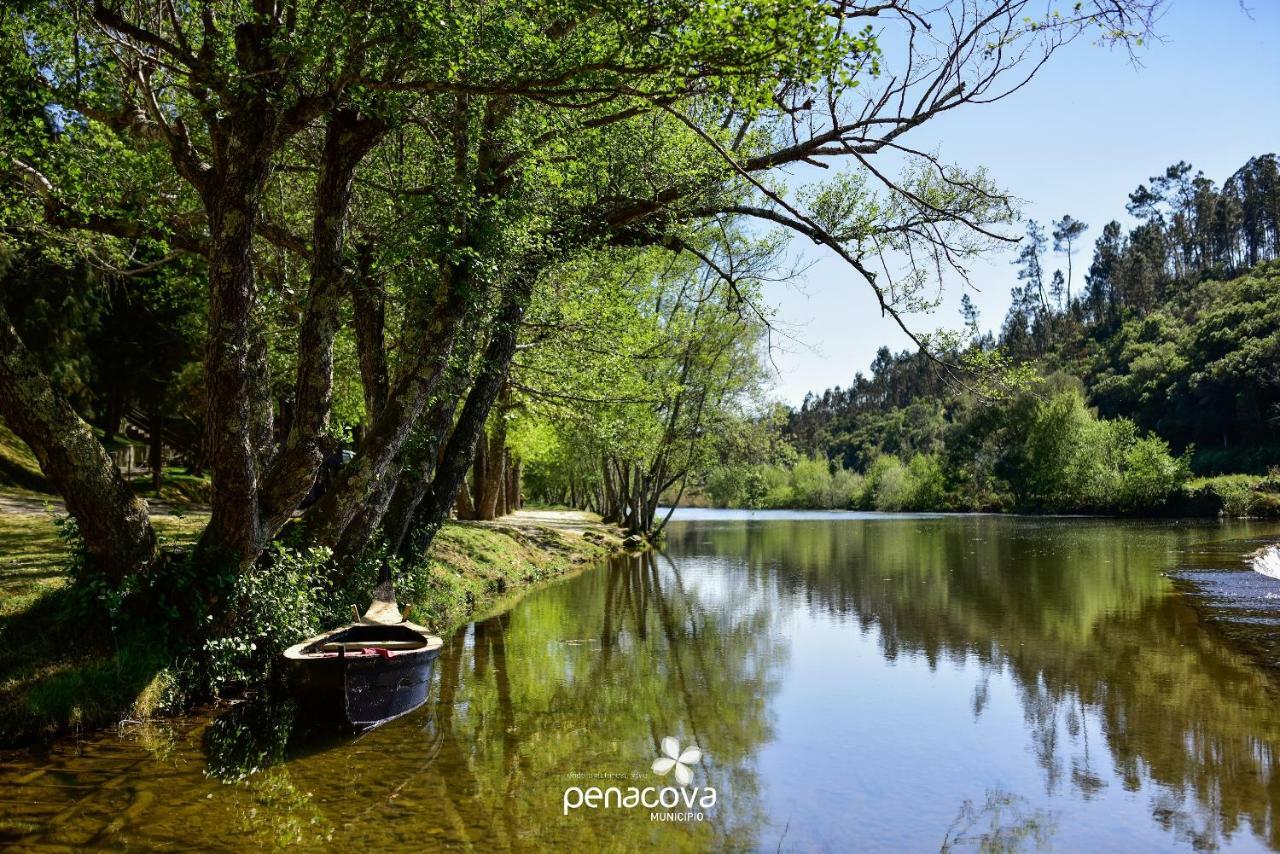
(1144, 482)
(63, 676)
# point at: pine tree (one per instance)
(1030, 267)
(1066, 232)
(970, 313)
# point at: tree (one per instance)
(1104, 296)
(969, 312)
(1066, 232)
(1030, 265)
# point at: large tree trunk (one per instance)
(502, 509)
(495, 468)
(479, 473)
(234, 363)
(361, 530)
(113, 522)
(395, 499)
(387, 434)
(464, 507)
(609, 499)
(494, 472)
(512, 491)
(113, 416)
(469, 428)
(415, 480)
(368, 300)
(348, 138)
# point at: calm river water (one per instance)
(854, 682)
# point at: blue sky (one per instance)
(1088, 129)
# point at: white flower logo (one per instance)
(673, 758)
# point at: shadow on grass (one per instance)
(18, 475)
(59, 673)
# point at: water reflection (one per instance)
(906, 684)
(1082, 616)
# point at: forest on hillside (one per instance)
(1150, 383)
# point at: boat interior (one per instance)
(371, 636)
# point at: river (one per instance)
(852, 681)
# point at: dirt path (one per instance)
(34, 504)
(575, 522)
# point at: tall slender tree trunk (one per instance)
(368, 300)
(495, 463)
(500, 508)
(348, 138)
(469, 428)
(608, 501)
(396, 498)
(380, 448)
(465, 507)
(113, 416)
(513, 484)
(113, 522)
(479, 473)
(157, 450)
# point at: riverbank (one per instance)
(52, 682)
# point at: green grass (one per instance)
(33, 558)
(1237, 495)
(176, 487)
(18, 466)
(473, 565)
(56, 673)
(32, 561)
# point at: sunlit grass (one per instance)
(33, 558)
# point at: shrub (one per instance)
(1071, 460)
(889, 484)
(776, 483)
(811, 483)
(927, 483)
(755, 488)
(847, 488)
(1236, 494)
(1151, 474)
(730, 486)
(276, 605)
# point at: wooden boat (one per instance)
(367, 672)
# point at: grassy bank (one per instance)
(57, 676)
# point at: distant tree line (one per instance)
(1176, 330)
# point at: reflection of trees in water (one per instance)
(1079, 614)
(585, 678)
(588, 677)
(1003, 822)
